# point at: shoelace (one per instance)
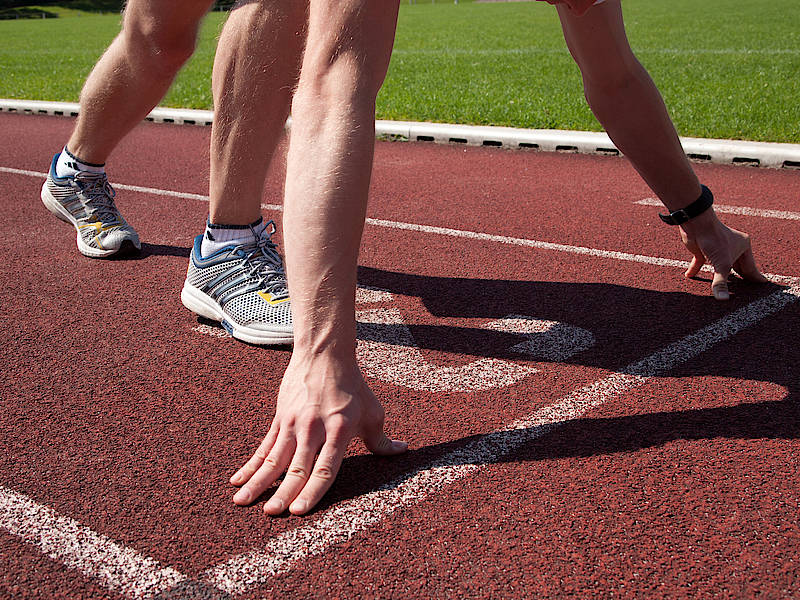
(262, 262)
(99, 194)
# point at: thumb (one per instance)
(378, 443)
(372, 432)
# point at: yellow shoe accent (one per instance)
(268, 297)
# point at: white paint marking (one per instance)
(23, 172)
(116, 567)
(503, 239)
(212, 331)
(347, 519)
(137, 188)
(550, 341)
(538, 50)
(387, 351)
(370, 295)
(738, 210)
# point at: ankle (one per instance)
(218, 236)
(69, 164)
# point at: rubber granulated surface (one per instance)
(582, 419)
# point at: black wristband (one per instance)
(698, 207)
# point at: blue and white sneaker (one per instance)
(244, 288)
(86, 201)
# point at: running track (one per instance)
(583, 421)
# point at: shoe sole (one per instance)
(54, 206)
(203, 305)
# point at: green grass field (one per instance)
(727, 68)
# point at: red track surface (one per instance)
(117, 413)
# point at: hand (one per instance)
(323, 403)
(726, 249)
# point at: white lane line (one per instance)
(347, 519)
(787, 215)
(118, 568)
(136, 188)
(475, 235)
(582, 250)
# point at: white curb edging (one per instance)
(762, 154)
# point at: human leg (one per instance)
(134, 73)
(127, 82)
(235, 274)
(255, 72)
(323, 401)
(627, 103)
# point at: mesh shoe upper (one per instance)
(246, 281)
(88, 199)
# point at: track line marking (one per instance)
(475, 235)
(347, 519)
(135, 188)
(116, 567)
(738, 210)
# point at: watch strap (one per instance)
(698, 207)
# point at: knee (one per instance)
(343, 83)
(163, 46)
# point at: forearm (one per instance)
(635, 117)
(328, 179)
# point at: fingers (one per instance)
(322, 477)
(308, 442)
(272, 467)
(698, 260)
(296, 476)
(251, 466)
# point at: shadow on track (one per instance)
(629, 323)
(163, 250)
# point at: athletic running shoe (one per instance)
(86, 200)
(244, 288)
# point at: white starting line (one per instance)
(128, 572)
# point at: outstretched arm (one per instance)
(625, 100)
(323, 401)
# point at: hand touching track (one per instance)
(726, 249)
(323, 404)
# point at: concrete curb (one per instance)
(762, 154)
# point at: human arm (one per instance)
(323, 402)
(627, 103)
